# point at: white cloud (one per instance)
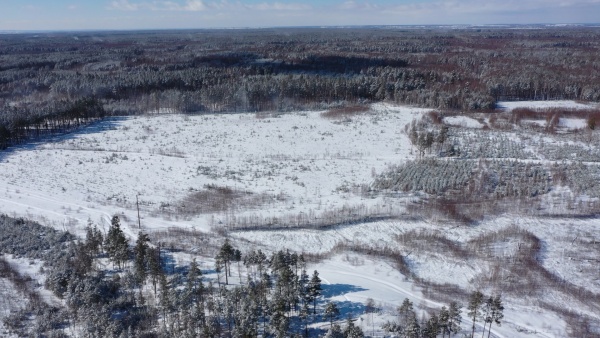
(278, 6)
(32, 8)
(195, 5)
(493, 6)
(188, 5)
(124, 5)
(353, 5)
(199, 5)
(246, 13)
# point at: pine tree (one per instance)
(443, 320)
(93, 239)
(496, 313)
(154, 266)
(194, 288)
(454, 318)
(304, 313)
(335, 331)
(165, 296)
(412, 328)
(432, 327)
(332, 312)
(225, 256)
(405, 312)
(486, 310)
(371, 308)
(314, 290)
(475, 302)
(140, 252)
(116, 243)
(279, 323)
(81, 260)
(303, 281)
(353, 331)
(237, 257)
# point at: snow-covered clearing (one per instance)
(296, 165)
(311, 163)
(567, 104)
(462, 121)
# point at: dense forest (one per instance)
(55, 82)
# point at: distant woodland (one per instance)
(54, 82)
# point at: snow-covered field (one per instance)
(302, 164)
(310, 162)
(510, 105)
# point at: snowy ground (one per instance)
(510, 105)
(305, 165)
(10, 299)
(312, 162)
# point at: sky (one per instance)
(183, 14)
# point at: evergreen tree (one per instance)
(304, 313)
(140, 252)
(405, 312)
(81, 260)
(443, 320)
(353, 331)
(303, 281)
(432, 327)
(335, 331)
(165, 300)
(116, 243)
(454, 318)
(154, 266)
(496, 313)
(475, 301)
(225, 256)
(332, 312)
(237, 257)
(314, 290)
(194, 288)
(412, 328)
(486, 309)
(93, 239)
(279, 323)
(370, 308)
(391, 327)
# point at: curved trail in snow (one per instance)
(337, 269)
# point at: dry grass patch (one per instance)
(213, 198)
(344, 112)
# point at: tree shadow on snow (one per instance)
(108, 123)
(333, 290)
(350, 309)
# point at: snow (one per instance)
(567, 104)
(10, 299)
(463, 121)
(31, 268)
(572, 123)
(314, 164)
(161, 158)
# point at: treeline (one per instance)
(286, 69)
(17, 126)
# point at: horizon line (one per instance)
(457, 26)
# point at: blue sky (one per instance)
(163, 14)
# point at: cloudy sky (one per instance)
(151, 14)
